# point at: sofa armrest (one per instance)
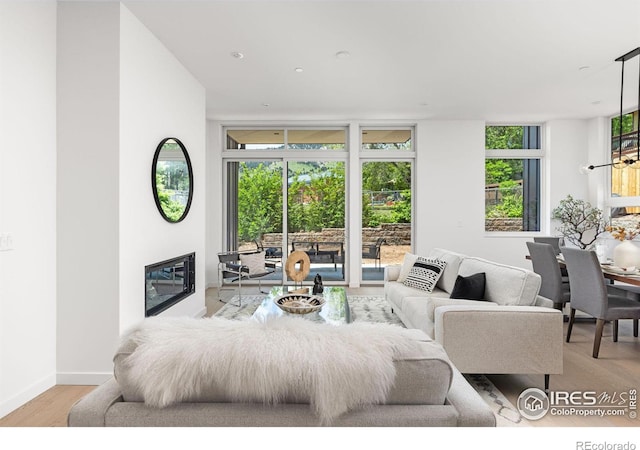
(544, 302)
(90, 410)
(472, 409)
(501, 339)
(391, 273)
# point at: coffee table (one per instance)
(335, 310)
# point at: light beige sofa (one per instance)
(428, 391)
(512, 331)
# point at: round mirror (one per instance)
(172, 180)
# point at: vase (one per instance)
(626, 254)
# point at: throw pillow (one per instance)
(469, 288)
(407, 264)
(254, 261)
(425, 273)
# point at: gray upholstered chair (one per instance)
(545, 264)
(555, 241)
(590, 294)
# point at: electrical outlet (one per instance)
(6, 242)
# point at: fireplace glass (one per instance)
(168, 282)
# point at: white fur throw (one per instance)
(339, 367)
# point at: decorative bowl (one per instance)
(299, 303)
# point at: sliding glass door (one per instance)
(316, 215)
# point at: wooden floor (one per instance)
(616, 371)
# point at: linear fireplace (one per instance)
(168, 282)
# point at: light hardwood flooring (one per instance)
(616, 370)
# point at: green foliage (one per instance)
(627, 124)
(504, 137)
(580, 223)
(317, 198)
(259, 200)
(378, 176)
(172, 209)
(401, 212)
(511, 204)
(500, 170)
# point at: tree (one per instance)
(259, 200)
(401, 212)
(580, 223)
(317, 198)
(504, 137)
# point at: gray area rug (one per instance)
(373, 308)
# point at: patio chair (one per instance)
(591, 295)
(271, 252)
(237, 266)
(373, 252)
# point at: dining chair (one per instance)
(591, 295)
(545, 264)
(555, 241)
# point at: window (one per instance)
(387, 139)
(286, 139)
(625, 181)
(512, 177)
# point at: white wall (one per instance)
(159, 98)
(27, 200)
(88, 179)
(120, 93)
(214, 202)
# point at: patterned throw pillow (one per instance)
(425, 273)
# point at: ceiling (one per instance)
(497, 60)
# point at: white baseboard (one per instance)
(83, 378)
(26, 395)
(201, 313)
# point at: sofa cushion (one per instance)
(448, 278)
(407, 265)
(425, 273)
(505, 285)
(470, 288)
(396, 293)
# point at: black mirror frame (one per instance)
(153, 179)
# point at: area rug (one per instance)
(373, 308)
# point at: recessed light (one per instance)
(266, 105)
(299, 69)
(584, 67)
(424, 104)
(596, 102)
(237, 55)
(343, 54)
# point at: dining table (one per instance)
(611, 272)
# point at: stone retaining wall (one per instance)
(503, 224)
(394, 234)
